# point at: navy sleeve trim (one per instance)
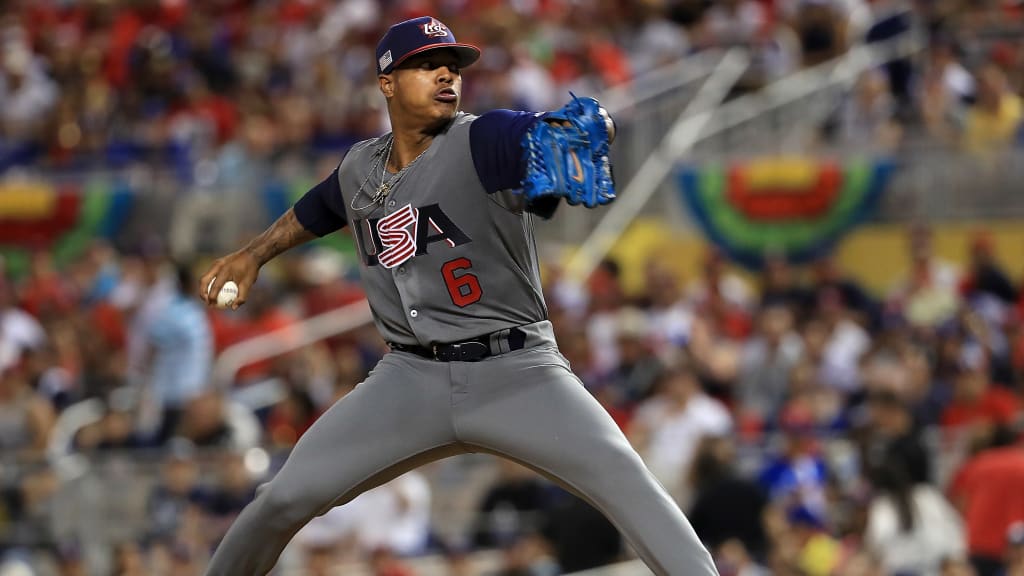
(495, 139)
(322, 209)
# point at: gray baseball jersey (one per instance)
(441, 259)
(448, 255)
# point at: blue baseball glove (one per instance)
(571, 161)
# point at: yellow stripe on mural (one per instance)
(787, 172)
(26, 200)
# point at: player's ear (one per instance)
(387, 85)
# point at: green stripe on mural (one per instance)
(96, 198)
(15, 261)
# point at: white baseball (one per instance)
(228, 293)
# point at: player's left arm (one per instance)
(495, 139)
(501, 160)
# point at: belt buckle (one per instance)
(478, 351)
(470, 351)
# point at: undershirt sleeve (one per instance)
(495, 138)
(322, 209)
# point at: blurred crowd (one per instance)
(887, 428)
(807, 425)
(110, 82)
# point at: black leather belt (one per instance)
(472, 350)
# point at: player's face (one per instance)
(426, 87)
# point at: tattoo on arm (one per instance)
(283, 234)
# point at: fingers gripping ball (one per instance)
(570, 159)
(227, 295)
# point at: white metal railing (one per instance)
(699, 125)
(644, 109)
(800, 101)
(659, 81)
(683, 135)
(307, 332)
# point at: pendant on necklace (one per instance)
(382, 190)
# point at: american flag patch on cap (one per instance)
(385, 60)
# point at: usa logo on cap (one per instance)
(420, 35)
(434, 29)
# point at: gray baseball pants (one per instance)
(525, 405)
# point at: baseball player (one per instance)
(442, 213)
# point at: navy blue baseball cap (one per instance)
(419, 35)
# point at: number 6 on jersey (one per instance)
(464, 288)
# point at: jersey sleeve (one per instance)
(322, 209)
(495, 139)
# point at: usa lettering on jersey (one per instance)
(399, 242)
(405, 233)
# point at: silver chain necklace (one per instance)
(386, 184)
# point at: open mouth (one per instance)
(447, 95)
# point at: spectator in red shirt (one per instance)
(976, 402)
(46, 292)
(989, 492)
